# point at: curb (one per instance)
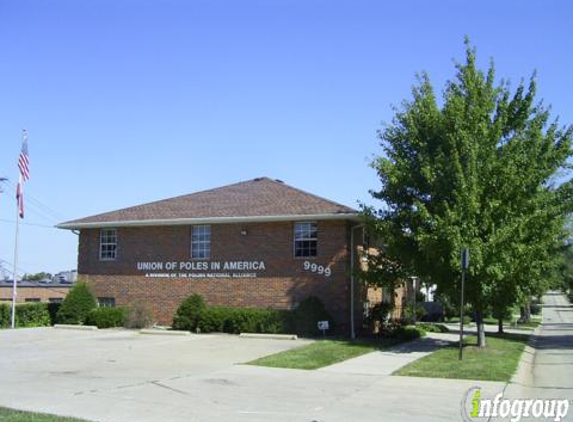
(153, 331)
(523, 375)
(269, 336)
(76, 327)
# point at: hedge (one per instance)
(193, 315)
(243, 320)
(429, 327)
(408, 332)
(106, 317)
(27, 315)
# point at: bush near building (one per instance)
(193, 315)
(139, 315)
(243, 320)
(27, 315)
(77, 305)
(107, 317)
(408, 332)
(189, 313)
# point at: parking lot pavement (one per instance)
(115, 376)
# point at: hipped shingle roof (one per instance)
(260, 199)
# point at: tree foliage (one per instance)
(475, 170)
(37, 276)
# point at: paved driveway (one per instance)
(123, 376)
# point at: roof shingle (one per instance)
(255, 200)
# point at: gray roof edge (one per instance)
(355, 216)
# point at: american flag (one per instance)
(24, 167)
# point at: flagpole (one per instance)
(24, 174)
(15, 277)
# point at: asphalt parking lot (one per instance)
(122, 376)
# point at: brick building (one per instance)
(259, 243)
(32, 291)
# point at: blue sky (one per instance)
(131, 101)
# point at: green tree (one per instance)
(37, 276)
(77, 305)
(475, 170)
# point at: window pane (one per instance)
(201, 242)
(108, 244)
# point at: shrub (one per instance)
(192, 314)
(408, 332)
(27, 315)
(189, 313)
(243, 320)
(139, 315)
(32, 315)
(53, 308)
(5, 315)
(77, 305)
(213, 319)
(106, 317)
(306, 316)
(378, 317)
(433, 328)
(408, 312)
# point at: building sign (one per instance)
(201, 269)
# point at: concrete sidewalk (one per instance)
(387, 361)
(546, 367)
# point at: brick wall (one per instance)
(44, 293)
(281, 285)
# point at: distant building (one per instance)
(67, 277)
(34, 291)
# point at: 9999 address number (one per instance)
(315, 268)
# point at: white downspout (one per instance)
(352, 248)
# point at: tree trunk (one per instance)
(480, 329)
(525, 311)
(500, 325)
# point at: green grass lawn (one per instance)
(11, 415)
(322, 353)
(497, 362)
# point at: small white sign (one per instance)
(323, 325)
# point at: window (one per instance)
(106, 302)
(305, 240)
(32, 299)
(55, 300)
(201, 242)
(108, 244)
